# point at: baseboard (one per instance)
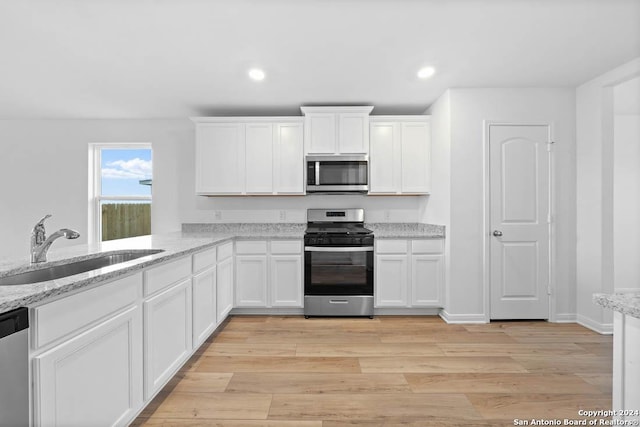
(565, 318)
(278, 311)
(462, 318)
(601, 328)
(286, 311)
(406, 311)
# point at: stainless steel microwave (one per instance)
(338, 174)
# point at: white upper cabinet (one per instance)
(400, 161)
(288, 162)
(259, 158)
(220, 158)
(336, 130)
(249, 155)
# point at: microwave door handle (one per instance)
(317, 171)
(338, 249)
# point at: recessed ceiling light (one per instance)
(426, 72)
(256, 74)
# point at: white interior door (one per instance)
(519, 217)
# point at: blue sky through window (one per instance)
(123, 169)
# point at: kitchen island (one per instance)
(626, 353)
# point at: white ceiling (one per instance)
(179, 58)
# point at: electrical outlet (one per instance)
(217, 215)
(283, 215)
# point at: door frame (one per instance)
(486, 226)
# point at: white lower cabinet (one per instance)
(269, 274)
(409, 273)
(167, 334)
(100, 355)
(426, 280)
(204, 305)
(286, 280)
(391, 280)
(94, 378)
(224, 289)
(251, 280)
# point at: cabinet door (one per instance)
(94, 378)
(320, 133)
(224, 285)
(416, 148)
(251, 281)
(286, 280)
(167, 334)
(384, 164)
(220, 158)
(204, 305)
(353, 133)
(391, 282)
(259, 158)
(426, 280)
(289, 159)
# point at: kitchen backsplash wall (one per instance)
(294, 208)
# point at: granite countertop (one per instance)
(174, 245)
(406, 230)
(250, 231)
(625, 303)
(192, 238)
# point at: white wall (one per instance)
(468, 109)
(44, 169)
(626, 186)
(437, 209)
(594, 199)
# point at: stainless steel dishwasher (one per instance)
(14, 368)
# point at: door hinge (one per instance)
(549, 290)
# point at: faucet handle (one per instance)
(38, 235)
(41, 222)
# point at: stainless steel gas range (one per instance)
(338, 261)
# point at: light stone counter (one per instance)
(174, 245)
(406, 230)
(627, 303)
(192, 238)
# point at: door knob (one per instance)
(497, 233)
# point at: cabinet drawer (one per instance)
(428, 246)
(167, 274)
(61, 317)
(204, 259)
(225, 251)
(251, 247)
(286, 247)
(391, 246)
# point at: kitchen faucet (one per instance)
(40, 243)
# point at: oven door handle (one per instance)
(339, 249)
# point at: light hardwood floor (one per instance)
(389, 371)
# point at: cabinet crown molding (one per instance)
(248, 119)
(404, 118)
(337, 109)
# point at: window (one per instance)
(120, 178)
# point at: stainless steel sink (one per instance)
(71, 268)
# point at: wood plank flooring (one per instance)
(389, 371)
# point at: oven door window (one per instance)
(342, 173)
(338, 273)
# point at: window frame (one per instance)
(95, 185)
